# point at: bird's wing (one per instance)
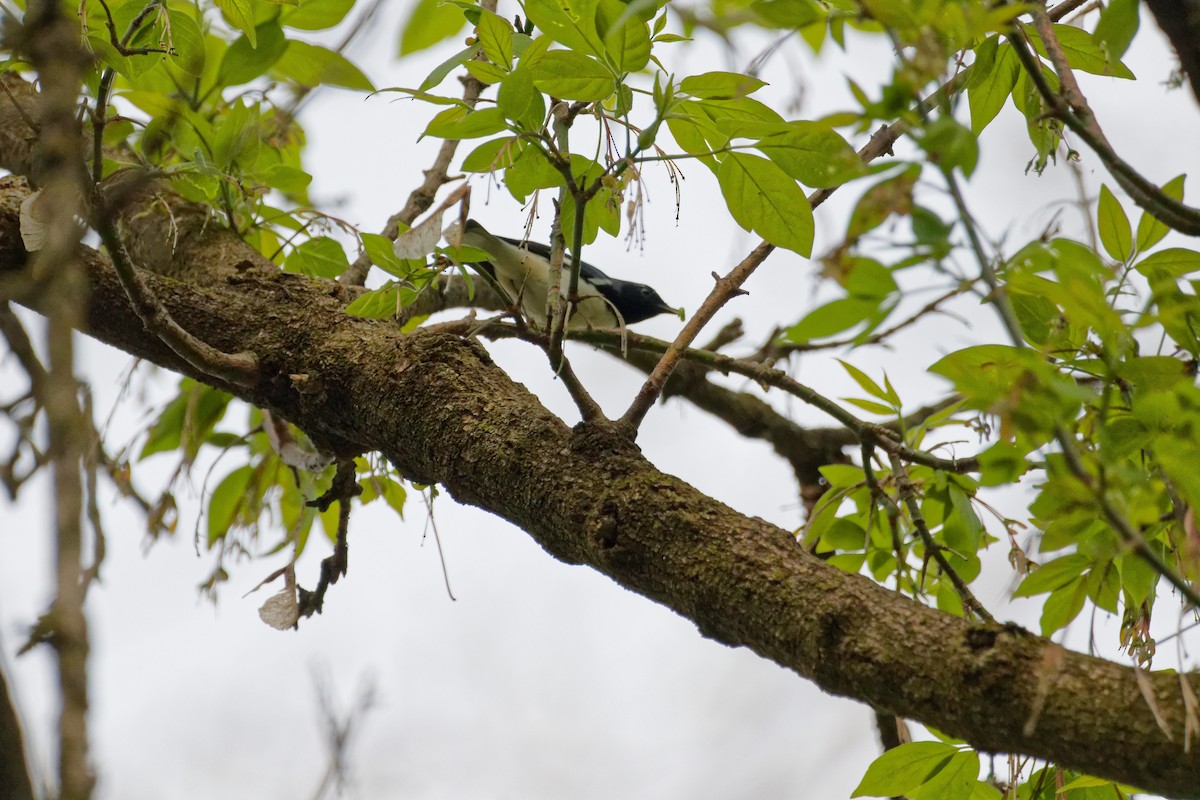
(593, 275)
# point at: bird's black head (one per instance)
(637, 301)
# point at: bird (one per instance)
(522, 270)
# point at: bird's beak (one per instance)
(663, 308)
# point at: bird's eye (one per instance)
(646, 290)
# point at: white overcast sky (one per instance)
(541, 680)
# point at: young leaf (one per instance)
(243, 61)
(379, 303)
(321, 257)
(1150, 231)
(313, 65)
(1113, 225)
(832, 318)
(986, 94)
(521, 102)
(460, 122)
(626, 36)
(1117, 26)
(240, 15)
(575, 28)
(720, 85)
(429, 23)
(496, 38)
(227, 501)
(315, 15)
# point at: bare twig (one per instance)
(344, 489)
(725, 289)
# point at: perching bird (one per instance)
(522, 269)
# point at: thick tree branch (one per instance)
(437, 407)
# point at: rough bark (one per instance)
(442, 412)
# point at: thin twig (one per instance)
(882, 436)
(237, 368)
(1144, 193)
(726, 288)
(908, 495)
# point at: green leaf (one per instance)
(392, 492)
(460, 122)
(1062, 606)
(496, 38)
(189, 418)
(379, 303)
(988, 94)
(315, 15)
(720, 85)
(626, 36)
(243, 61)
(572, 76)
(188, 41)
(289, 180)
(871, 406)
(530, 172)
(1150, 231)
(574, 27)
(832, 318)
(813, 154)
(430, 23)
(842, 475)
(320, 257)
(843, 534)
(904, 768)
(867, 385)
(236, 135)
(788, 14)
(1083, 52)
(1117, 26)
(691, 139)
(954, 781)
(313, 65)
(493, 155)
(380, 250)
(240, 14)
(1138, 578)
(1172, 263)
(520, 102)
(486, 71)
(227, 501)
(449, 65)
(765, 199)
(950, 145)
(1053, 575)
(1115, 233)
